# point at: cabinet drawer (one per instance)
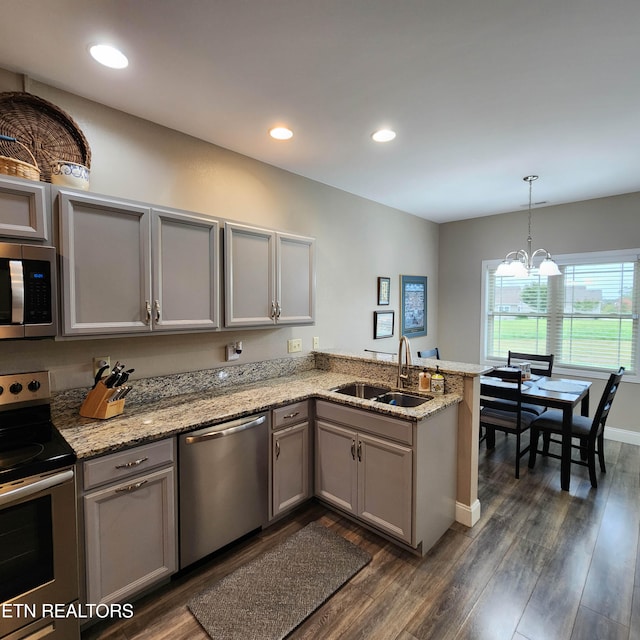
(291, 414)
(369, 421)
(127, 463)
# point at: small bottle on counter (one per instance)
(437, 382)
(424, 380)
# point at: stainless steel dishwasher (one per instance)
(223, 484)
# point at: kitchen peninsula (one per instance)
(168, 405)
(407, 472)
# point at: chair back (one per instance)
(604, 406)
(430, 353)
(541, 365)
(493, 396)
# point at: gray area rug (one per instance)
(270, 596)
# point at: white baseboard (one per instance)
(468, 515)
(622, 435)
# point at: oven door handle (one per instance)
(35, 486)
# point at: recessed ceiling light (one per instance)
(281, 133)
(383, 135)
(109, 56)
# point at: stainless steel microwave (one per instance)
(28, 291)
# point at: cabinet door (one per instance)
(185, 271)
(130, 536)
(385, 485)
(290, 451)
(23, 209)
(336, 465)
(104, 247)
(249, 258)
(296, 280)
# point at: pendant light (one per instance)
(520, 263)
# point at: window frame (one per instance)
(569, 259)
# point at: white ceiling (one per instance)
(480, 92)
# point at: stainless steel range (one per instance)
(38, 533)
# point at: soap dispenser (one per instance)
(424, 380)
(437, 382)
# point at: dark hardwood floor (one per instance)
(541, 564)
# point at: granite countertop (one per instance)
(170, 416)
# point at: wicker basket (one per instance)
(17, 160)
(50, 134)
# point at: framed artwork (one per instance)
(413, 305)
(383, 322)
(384, 290)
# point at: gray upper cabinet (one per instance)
(128, 268)
(269, 277)
(185, 271)
(23, 209)
(296, 279)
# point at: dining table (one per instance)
(554, 392)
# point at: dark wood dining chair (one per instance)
(541, 365)
(589, 433)
(502, 410)
(430, 353)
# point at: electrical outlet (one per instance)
(99, 362)
(231, 352)
(316, 342)
(294, 345)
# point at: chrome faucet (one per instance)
(403, 377)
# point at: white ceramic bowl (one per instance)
(70, 174)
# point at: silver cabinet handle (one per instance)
(353, 449)
(147, 307)
(156, 306)
(291, 415)
(278, 309)
(272, 315)
(225, 430)
(134, 463)
(131, 487)
(277, 449)
(16, 275)
(359, 451)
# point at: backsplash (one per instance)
(146, 390)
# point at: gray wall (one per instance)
(357, 241)
(594, 225)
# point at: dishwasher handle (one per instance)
(225, 430)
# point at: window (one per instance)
(587, 317)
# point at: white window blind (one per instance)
(587, 317)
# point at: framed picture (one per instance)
(413, 305)
(383, 324)
(384, 290)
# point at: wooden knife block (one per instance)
(97, 405)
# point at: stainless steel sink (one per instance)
(402, 399)
(362, 390)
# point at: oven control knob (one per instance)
(15, 388)
(34, 385)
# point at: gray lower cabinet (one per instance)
(131, 268)
(269, 277)
(394, 475)
(24, 210)
(130, 522)
(290, 458)
(369, 477)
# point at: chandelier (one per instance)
(520, 263)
